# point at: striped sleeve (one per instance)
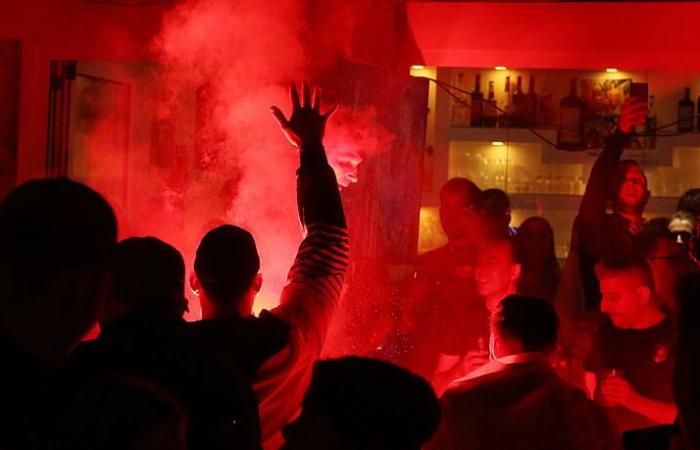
(322, 261)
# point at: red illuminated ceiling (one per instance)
(633, 36)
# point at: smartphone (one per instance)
(640, 91)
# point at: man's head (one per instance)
(56, 239)
(627, 289)
(690, 202)
(497, 271)
(149, 274)
(226, 272)
(496, 206)
(460, 211)
(630, 187)
(358, 403)
(524, 324)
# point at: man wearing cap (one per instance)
(287, 340)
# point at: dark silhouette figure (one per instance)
(56, 237)
(599, 235)
(535, 250)
(143, 335)
(441, 308)
(497, 213)
(360, 403)
(517, 401)
(125, 413)
(285, 342)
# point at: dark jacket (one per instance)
(525, 406)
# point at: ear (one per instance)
(194, 284)
(644, 293)
(257, 283)
(515, 271)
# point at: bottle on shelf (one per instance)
(531, 108)
(570, 135)
(686, 112)
(651, 124)
(545, 106)
(490, 110)
(505, 119)
(519, 105)
(477, 105)
(459, 111)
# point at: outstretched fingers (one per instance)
(330, 112)
(279, 115)
(294, 96)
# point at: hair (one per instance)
(507, 241)
(495, 202)
(553, 271)
(636, 266)
(690, 202)
(49, 227)
(371, 401)
(149, 273)
(531, 321)
(463, 186)
(226, 263)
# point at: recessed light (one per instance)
(501, 68)
(498, 143)
(417, 67)
(611, 70)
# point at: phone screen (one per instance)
(640, 91)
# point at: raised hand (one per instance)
(634, 112)
(306, 125)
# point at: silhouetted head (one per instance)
(524, 324)
(535, 241)
(496, 207)
(149, 274)
(497, 271)
(460, 210)
(627, 288)
(226, 272)
(56, 239)
(356, 403)
(630, 187)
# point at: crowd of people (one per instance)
(500, 348)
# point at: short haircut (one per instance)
(506, 241)
(51, 225)
(463, 186)
(532, 321)
(226, 263)
(367, 400)
(149, 273)
(632, 266)
(495, 203)
(690, 202)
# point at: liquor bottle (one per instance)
(531, 110)
(651, 124)
(545, 110)
(477, 109)
(490, 110)
(571, 114)
(519, 105)
(505, 118)
(686, 112)
(459, 113)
